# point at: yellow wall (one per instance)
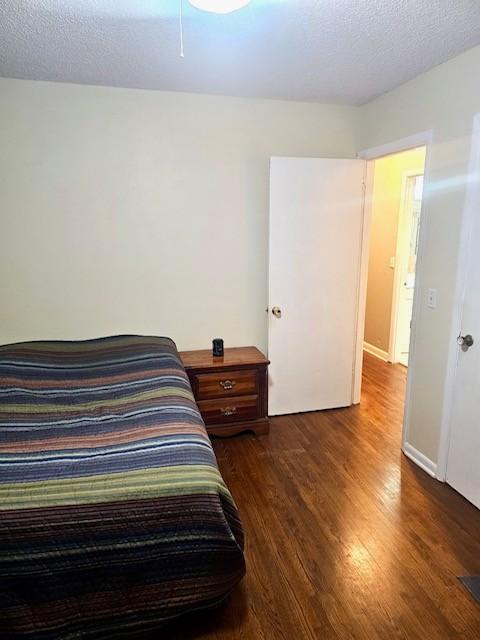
(389, 173)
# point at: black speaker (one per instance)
(217, 347)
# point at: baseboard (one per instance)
(421, 460)
(375, 351)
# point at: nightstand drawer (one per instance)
(232, 409)
(225, 383)
(230, 391)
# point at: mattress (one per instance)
(114, 517)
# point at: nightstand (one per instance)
(231, 391)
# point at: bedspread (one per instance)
(113, 515)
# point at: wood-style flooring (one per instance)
(345, 537)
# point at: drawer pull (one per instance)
(228, 411)
(227, 384)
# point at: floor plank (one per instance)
(345, 537)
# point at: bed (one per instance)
(114, 517)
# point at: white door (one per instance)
(409, 228)
(316, 221)
(463, 465)
(405, 310)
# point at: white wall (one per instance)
(140, 211)
(445, 99)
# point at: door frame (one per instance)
(420, 139)
(399, 267)
(472, 202)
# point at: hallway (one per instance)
(345, 537)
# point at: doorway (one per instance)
(406, 260)
(319, 229)
(396, 203)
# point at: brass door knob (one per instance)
(277, 312)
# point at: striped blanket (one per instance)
(113, 515)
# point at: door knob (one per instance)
(465, 341)
(277, 312)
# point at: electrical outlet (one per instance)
(432, 299)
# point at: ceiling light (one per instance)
(219, 6)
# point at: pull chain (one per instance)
(182, 53)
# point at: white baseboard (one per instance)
(421, 460)
(375, 351)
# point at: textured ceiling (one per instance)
(342, 51)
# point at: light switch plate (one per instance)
(391, 262)
(432, 299)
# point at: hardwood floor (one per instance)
(345, 537)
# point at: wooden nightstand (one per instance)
(231, 392)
